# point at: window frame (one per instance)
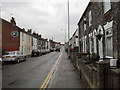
(107, 8)
(90, 17)
(108, 36)
(22, 36)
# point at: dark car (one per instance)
(51, 50)
(57, 50)
(36, 52)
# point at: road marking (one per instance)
(47, 80)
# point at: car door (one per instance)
(21, 56)
(18, 55)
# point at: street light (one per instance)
(68, 32)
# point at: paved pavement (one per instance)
(66, 75)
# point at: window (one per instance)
(85, 24)
(95, 42)
(84, 44)
(22, 49)
(90, 18)
(22, 36)
(107, 5)
(10, 53)
(109, 44)
(90, 42)
(18, 53)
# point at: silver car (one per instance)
(13, 56)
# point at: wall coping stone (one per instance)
(117, 71)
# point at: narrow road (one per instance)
(30, 73)
(52, 70)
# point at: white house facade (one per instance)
(25, 43)
(35, 43)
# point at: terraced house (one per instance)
(26, 42)
(14, 38)
(99, 29)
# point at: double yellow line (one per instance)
(47, 80)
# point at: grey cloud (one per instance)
(47, 17)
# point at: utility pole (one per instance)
(0, 35)
(68, 33)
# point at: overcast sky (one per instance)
(47, 17)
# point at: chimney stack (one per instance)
(13, 21)
(40, 36)
(30, 31)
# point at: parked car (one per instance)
(14, 56)
(54, 49)
(36, 52)
(57, 50)
(51, 50)
(47, 50)
(43, 51)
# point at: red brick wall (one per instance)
(9, 42)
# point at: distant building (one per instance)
(74, 41)
(25, 42)
(14, 38)
(35, 46)
(10, 35)
(50, 43)
(39, 42)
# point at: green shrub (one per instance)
(3, 51)
(95, 57)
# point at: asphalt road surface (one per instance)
(53, 70)
(30, 73)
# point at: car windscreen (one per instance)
(9, 53)
(35, 50)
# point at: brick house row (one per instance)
(99, 29)
(14, 38)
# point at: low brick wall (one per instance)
(114, 78)
(89, 74)
(97, 75)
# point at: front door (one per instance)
(100, 45)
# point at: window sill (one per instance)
(109, 57)
(105, 13)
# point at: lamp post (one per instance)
(68, 32)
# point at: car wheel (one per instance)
(18, 60)
(2, 63)
(25, 59)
